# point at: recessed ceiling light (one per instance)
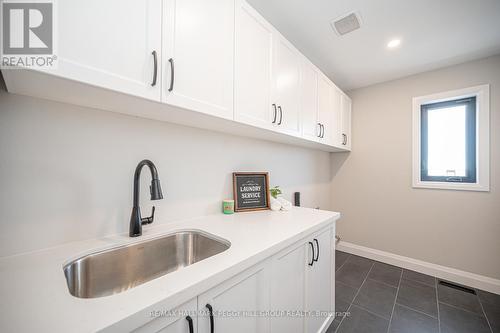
(394, 43)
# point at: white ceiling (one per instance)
(434, 33)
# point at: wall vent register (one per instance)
(457, 287)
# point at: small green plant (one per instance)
(275, 191)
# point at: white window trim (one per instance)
(482, 94)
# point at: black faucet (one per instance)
(136, 221)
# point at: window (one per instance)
(448, 141)
(451, 140)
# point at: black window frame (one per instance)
(470, 140)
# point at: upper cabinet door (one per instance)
(325, 110)
(198, 42)
(336, 135)
(309, 102)
(346, 107)
(253, 57)
(110, 44)
(286, 86)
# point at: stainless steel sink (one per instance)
(117, 269)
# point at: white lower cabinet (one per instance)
(236, 304)
(319, 280)
(284, 293)
(287, 290)
(301, 285)
(180, 320)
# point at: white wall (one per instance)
(66, 172)
(372, 185)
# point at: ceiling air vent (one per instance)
(346, 23)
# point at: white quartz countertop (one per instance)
(35, 297)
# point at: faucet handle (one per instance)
(149, 220)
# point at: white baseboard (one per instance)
(442, 272)
(327, 323)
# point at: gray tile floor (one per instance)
(384, 298)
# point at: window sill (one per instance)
(452, 186)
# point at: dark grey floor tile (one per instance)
(385, 273)
(455, 320)
(341, 308)
(333, 326)
(344, 292)
(459, 298)
(405, 320)
(491, 306)
(492, 312)
(377, 297)
(340, 258)
(354, 271)
(362, 261)
(418, 296)
(486, 297)
(362, 321)
(419, 277)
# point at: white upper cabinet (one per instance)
(112, 44)
(309, 102)
(326, 135)
(267, 74)
(336, 135)
(210, 64)
(346, 106)
(253, 58)
(286, 86)
(321, 108)
(198, 41)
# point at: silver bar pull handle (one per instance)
(155, 68)
(172, 74)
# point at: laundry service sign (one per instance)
(251, 191)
